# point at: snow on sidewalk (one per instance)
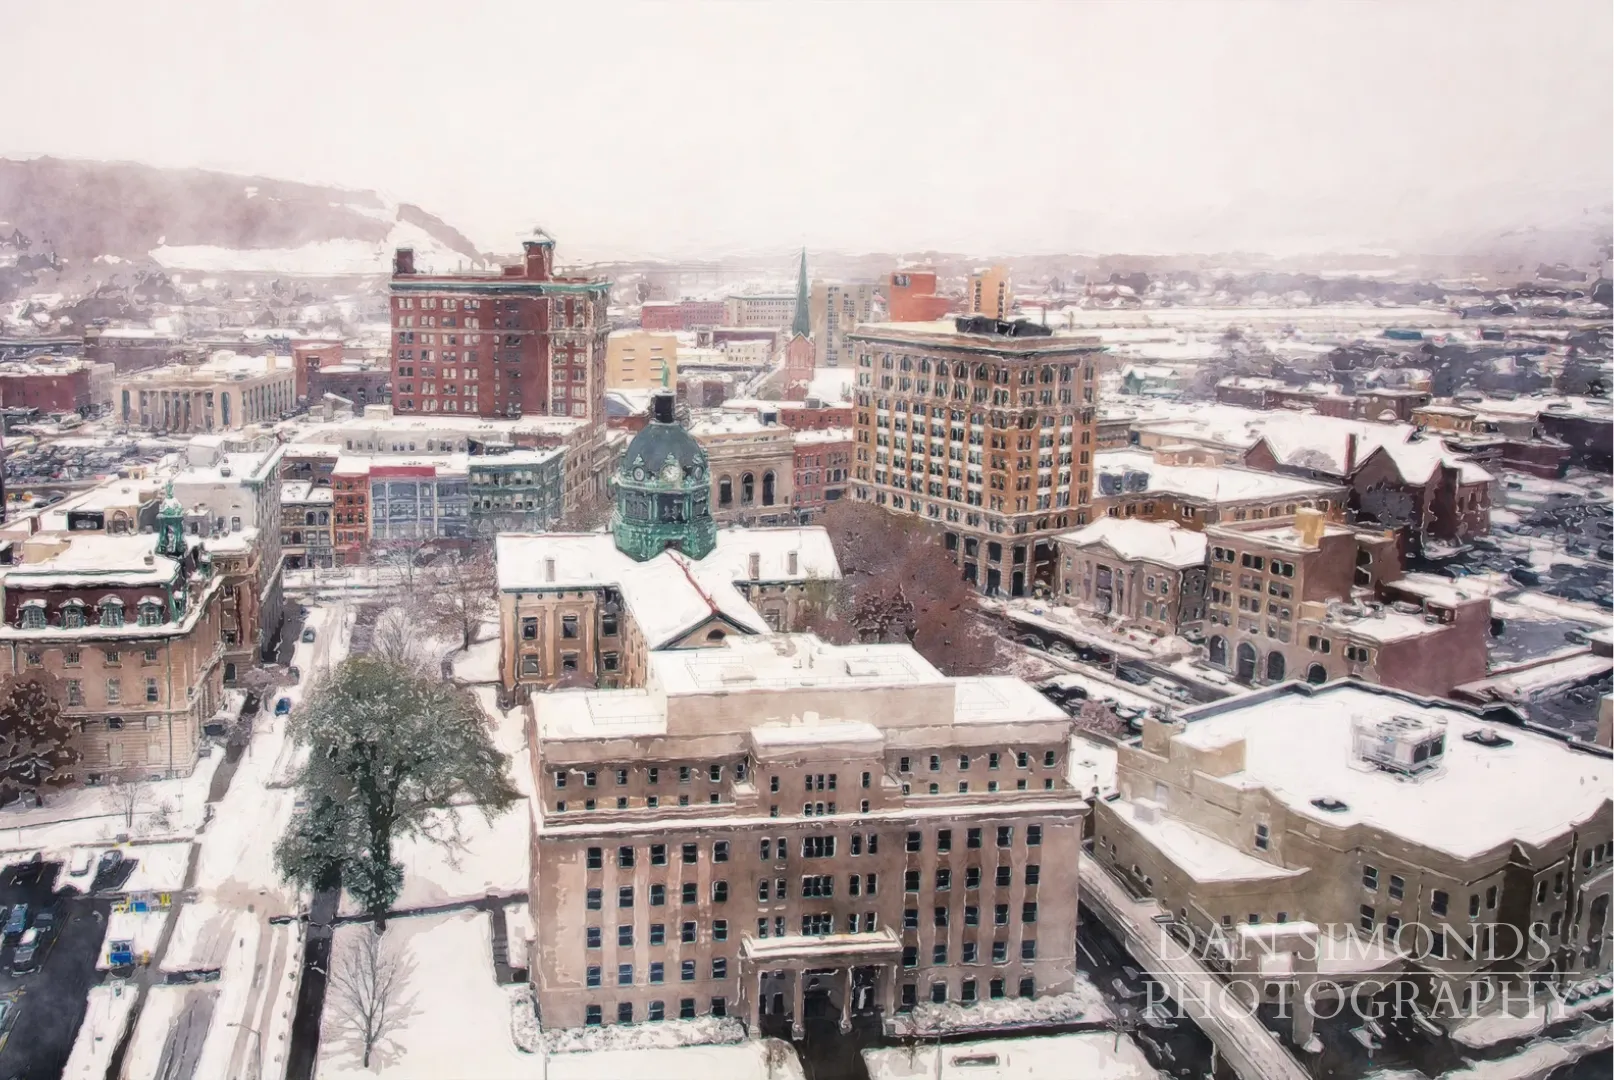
(165, 810)
(744, 1061)
(1094, 1056)
(662, 1035)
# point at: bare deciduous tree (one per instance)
(366, 991)
(397, 640)
(900, 584)
(128, 794)
(462, 593)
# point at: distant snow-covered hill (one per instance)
(194, 219)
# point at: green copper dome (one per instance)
(663, 490)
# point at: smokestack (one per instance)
(1350, 454)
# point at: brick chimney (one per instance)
(1350, 454)
(1309, 524)
(403, 261)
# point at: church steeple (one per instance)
(802, 324)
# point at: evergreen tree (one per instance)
(36, 742)
(391, 753)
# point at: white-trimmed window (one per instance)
(111, 611)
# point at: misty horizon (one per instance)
(693, 131)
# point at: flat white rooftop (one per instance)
(1298, 745)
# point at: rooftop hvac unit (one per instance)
(1405, 745)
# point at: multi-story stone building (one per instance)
(224, 392)
(1301, 816)
(516, 342)
(516, 491)
(234, 499)
(350, 505)
(69, 385)
(1146, 574)
(132, 626)
(590, 608)
(911, 296)
(773, 311)
(1298, 599)
(983, 427)
(305, 525)
(1188, 486)
(752, 466)
(837, 309)
(990, 293)
(776, 825)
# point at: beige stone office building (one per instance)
(1302, 598)
(224, 392)
(640, 360)
(1145, 574)
(1304, 813)
(753, 467)
(837, 308)
(777, 828)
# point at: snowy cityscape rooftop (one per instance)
(91, 559)
(1160, 542)
(1298, 746)
(1212, 483)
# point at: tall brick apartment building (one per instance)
(517, 342)
(984, 427)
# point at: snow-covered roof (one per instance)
(670, 594)
(1298, 745)
(1150, 541)
(1210, 483)
(1200, 855)
(92, 559)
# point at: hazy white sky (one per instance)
(682, 128)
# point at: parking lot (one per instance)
(45, 1008)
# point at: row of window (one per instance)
(686, 774)
(970, 953)
(656, 1010)
(31, 614)
(994, 760)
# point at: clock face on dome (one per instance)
(638, 474)
(672, 473)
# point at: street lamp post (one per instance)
(257, 1042)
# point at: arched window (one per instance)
(111, 611)
(1218, 651)
(33, 615)
(73, 613)
(748, 486)
(725, 491)
(1275, 666)
(767, 488)
(151, 613)
(308, 517)
(224, 407)
(296, 537)
(1248, 663)
(1316, 674)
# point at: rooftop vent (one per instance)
(1407, 746)
(1488, 736)
(1333, 806)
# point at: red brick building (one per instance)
(911, 297)
(350, 511)
(518, 342)
(362, 384)
(309, 357)
(680, 314)
(823, 469)
(64, 387)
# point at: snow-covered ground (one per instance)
(98, 1034)
(480, 663)
(928, 1020)
(491, 860)
(1089, 1056)
(742, 1061)
(164, 810)
(324, 258)
(518, 930)
(663, 1035)
(1092, 765)
(455, 1018)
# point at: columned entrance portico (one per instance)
(793, 975)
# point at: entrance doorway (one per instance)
(1246, 666)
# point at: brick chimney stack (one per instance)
(403, 261)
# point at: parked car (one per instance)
(45, 921)
(16, 922)
(1133, 676)
(308, 634)
(27, 958)
(283, 706)
(82, 860)
(110, 861)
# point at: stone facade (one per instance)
(905, 837)
(985, 427)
